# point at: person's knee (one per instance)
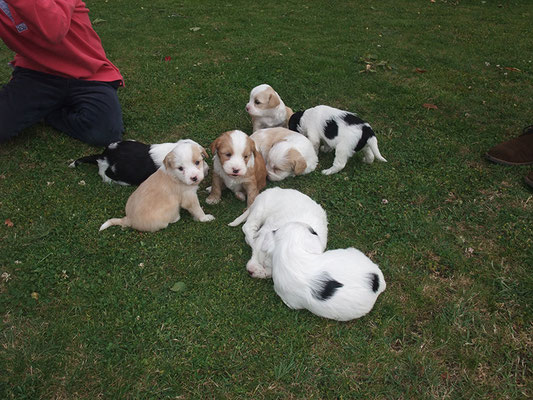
(102, 134)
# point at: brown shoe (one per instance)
(529, 180)
(517, 151)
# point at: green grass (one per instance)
(454, 238)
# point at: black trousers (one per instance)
(85, 110)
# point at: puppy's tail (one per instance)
(241, 218)
(373, 143)
(115, 221)
(89, 160)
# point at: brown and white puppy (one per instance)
(286, 153)
(267, 109)
(238, 166)
(157, 201)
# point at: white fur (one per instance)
(270, 117)
(270, 210)
(300, 270)
(312, 126)
(159, 151)
(275, 156)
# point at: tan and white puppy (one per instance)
(238, 166)
(286, 153)
(157, 201)
(267, 109)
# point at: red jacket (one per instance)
(55, 37)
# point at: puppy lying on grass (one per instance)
(340, 284)
(157, 201)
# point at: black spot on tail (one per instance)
(374, 278)
(331, 130)
(294, 121)
(352, 119)
(325, 287)
(367, 134)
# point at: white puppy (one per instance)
(157, 201)
(286, 153)
(267, 109)
(270, 210)
(337, 129)
(339, 284)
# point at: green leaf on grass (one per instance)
(178, 287)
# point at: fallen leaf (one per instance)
(35, 295)
(97, 21)
(512, 69)
(178, 287)
(168, 58)
(430, 106)
(9, 223)
(194, 29)
(420, 71)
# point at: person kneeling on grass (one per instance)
(61, 72)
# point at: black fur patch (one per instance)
(325, 287)
(352, 119)
(375, 282)
(331, 130)
(294, 121)
(367, 134)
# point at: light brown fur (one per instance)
(157, 201)
(252, 182)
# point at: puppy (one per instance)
(267, 109)
(338, 284)
(286, 153)
(157, 201)
(238, 166)
(337, 129)
(128, 162)
(272, 209)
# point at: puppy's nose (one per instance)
(194, 178)
(236, 171)
(247, 107)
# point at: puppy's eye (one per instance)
(197, 163)
(313, 231)
(257, 102)
(228, 154)
(180, 168)
(245, 157)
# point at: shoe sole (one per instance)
(529, 182)
(503, 162)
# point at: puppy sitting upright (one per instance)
(337, 129)
(286, 153)
(238, 166)
(157, 201)
(267, 109)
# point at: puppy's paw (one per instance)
(206, 218)
(212, 200)
(330, 171)
(256, 271)
(241, 196)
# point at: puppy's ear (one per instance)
(297, 162)
(170, 161)
(214, 146)
(294, 121)
(273, 100)
(204, 153)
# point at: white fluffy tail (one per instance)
(241, 218)
(373, 143)
(114, 221)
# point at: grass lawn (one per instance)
(89, 315)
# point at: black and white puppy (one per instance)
(337, 129)
(340, 284)
(128, 162)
